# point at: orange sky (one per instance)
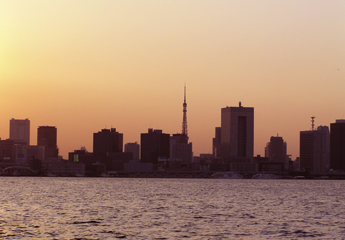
(85, 65)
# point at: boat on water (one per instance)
(227, 175)
(265, 176)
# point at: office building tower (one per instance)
(216, 143)
(337, 145)
(154, 144)
(47, 137)
(275, 150)
(107, 141)
(237, 134)
(20, 130)
(134, 148)
(314, 150)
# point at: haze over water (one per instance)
(112, 208)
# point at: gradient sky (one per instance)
(85, 65)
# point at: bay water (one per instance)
(158, 208)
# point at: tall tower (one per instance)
(184, 121)
(180, 149)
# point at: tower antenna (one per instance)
(184, 120)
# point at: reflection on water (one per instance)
(113, 208)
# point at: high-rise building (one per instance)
(107, 141)
(154, 144)
(314, 150)
(216, 143)
(337, 148)
(20, 130)
(134, 148)
(237, 134)
(276, 150)
(47, 137)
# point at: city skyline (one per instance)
(82, 66)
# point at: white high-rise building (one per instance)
(20, 130)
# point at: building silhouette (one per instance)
(275, 150)
(108, 149)
(180, 150)
(237, 134)
(88, 159)
(216, 143)
(20, 130)
(134, 148)
(337, 145)
(106, 141)
(154, 144)
(314, 150)
(7, 151)
(47, 137)
(23, 154)
(35, 152)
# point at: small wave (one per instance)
(85, 222)
(120, 236)
(117, 234)
(301, 233)
(248, 216)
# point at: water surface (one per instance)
(113, 208)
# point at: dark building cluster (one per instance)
(321, 151)
(157, 151)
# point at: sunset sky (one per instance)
(84, 65)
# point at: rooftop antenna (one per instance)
(312, 123)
